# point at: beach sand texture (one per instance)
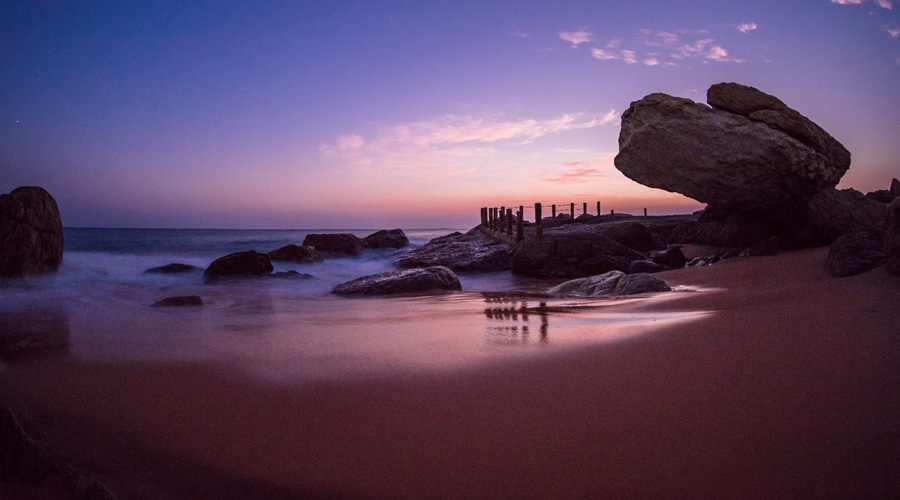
(788, 388)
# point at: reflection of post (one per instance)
(544, 322)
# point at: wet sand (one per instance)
(789, 389)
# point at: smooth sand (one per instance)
(790, 389)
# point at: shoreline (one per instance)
(789, 388)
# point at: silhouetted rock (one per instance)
(387, 238)
(833, 212)
(295, 253)
(673, 258)
(855, 252)
(430, 279)
(571, 256)
(611, 284)
(768, 246)
(291, 275)
(463, 253)
(239, 265)
(644, 266)
(631, 234)
(173, 268)
(886, 195)
(892, 237)
(181, 300)
(336, 243)
(31, 233)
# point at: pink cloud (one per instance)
(576, 37)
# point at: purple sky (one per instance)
(371, 114)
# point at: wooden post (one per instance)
(538, 224)
(645, 211)
(584, 209)
(612, 212)
(520, 224)
(598, 208)
(572, 210)
(553, 211)
(509, 221)
(502, 219)
(483, 225)
(496, 216)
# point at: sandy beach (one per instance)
(788, 386)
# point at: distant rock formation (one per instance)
(387, 238)
(295, 253)
(335, 243)
(247, 264)
(31, 233)
(173, 268)
(429, 279)
(611, 284)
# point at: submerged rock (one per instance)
(429, 279)
(173, 268)
(463, 253)
(249, 264)
(611, 284)
(387, 238)
(181, 300)
(295, 253)
(336, 243)
(31, 233)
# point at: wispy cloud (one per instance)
(576, 37)
(629, 56)
(669, 49)
(746, 27)
(603, 55)
(577, 172)
(894, 32)
(847, 2)
(885, 4)
(652, 61)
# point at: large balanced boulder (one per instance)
(335, 243)
(429, 279)
(749, 152)
(892, 237)
(571, 256)
(31, 233)
(249, 264)
(387, 238)
(610, 284)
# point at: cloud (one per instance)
(651, 61)
(614, 43)
(886, 4)
(894, 32)
(628, 56)
(345, 142)
(520, 33)
(577, 172)
(603, 55)
(576, 37)
(746, 27)
(847, 2)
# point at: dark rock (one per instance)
(33, 333)
(672, 258)
(295, 253)
(886, 195)
(771, 161)
(631, 234)
(393, 238)
(644, 266)
(833, 212)
(31, 233)
(892, 237)
(239, 265)
(611, 284)
(429, 279)
(463, 253)
(855, 252)
(20, 455)
(571, 256)
(181, 300)
(768, 246)
(337, 243)
(291, 275)
(173, 268)
(729, 228)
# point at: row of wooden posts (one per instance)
(500, 221)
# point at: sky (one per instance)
(413, 114)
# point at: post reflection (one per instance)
(516, 310)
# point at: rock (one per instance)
(571, 256)
(631, 234)
(429, 279)
(33, 333)
(291, 275)
(768, 246)
(892, 237)
(239, 265)
(31, 233)
(644, 266)
(181, 300)
(611, 284)
(771, 161)
(886, 195)
(833, 212)
(295, 253)
(393, 238)
(672, 258)
(855, 252)
(335, 243)
(173, 268)
(463, 253)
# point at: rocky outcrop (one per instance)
(855, 252)
(571, 256)
(31, 233)
(247, 264)
(387, 238)
(173, 268)
(631, 234)
(472, 252)
(833, 212)
(611, 284)
(335, 243)
(429, 279)
(886, 195)
(672, 258)
(295, 253)
(178, 301)
(892, 237)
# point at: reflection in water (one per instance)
(31, 333)
(518, 310)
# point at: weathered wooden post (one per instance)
(483, 221)
(553, 211)
(502, 219)
(538, 223)
(509, 221)
(496, 216)
(612, 212)
(572, 210)
(645, 211)
(598, 209)
(520, 224)
(584, 208)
